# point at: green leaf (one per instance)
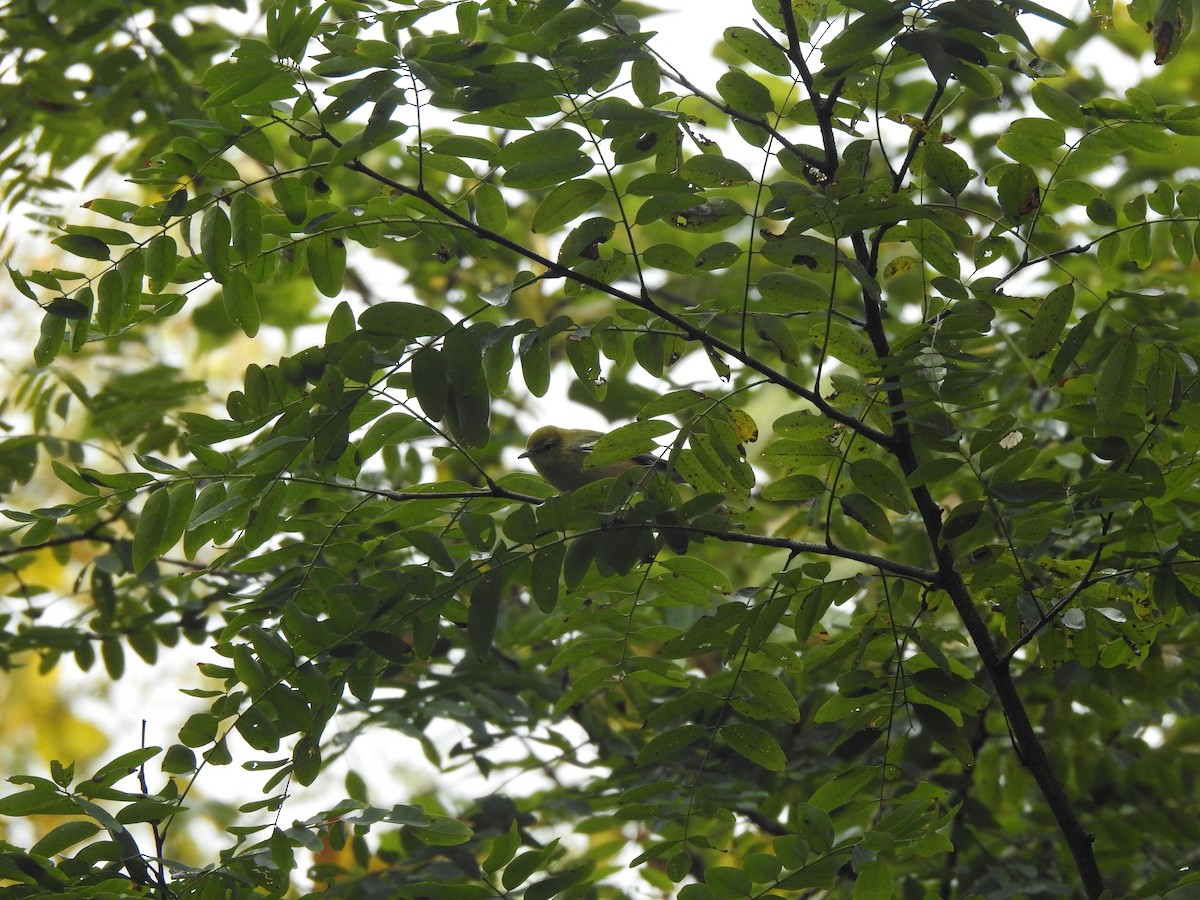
(1058, 105)
(504, 848)
(1162, 199)
(443, 831)
(718, 256)
(484, 611)
(646, 77)
(867, 514)
(161, 259)
(306, 759)
(430, 381)
(874, 881)
(1146, 137)
(215, 235)
(673, 258)
(1102, 212)
(860, 39)
(1019, 191)
(174, 207)
(151, 522)
(569, 23)
(843, 788)
(548, 171)
(63, 836)
(50, 339)
(1043, 333)
(768, 698)
(881, 483)
(1033, 140)
(627, 442)
(717, 214)
(114, 657)
(546, 575)
(793, 293)
(467, 146)
(847, 344)
(468, 402)
(341, 323)
(933, 471)
(292, 197)
(1141, 252)
(775, 331)
(535, 356)
(946, 732)
(83, 245)
(179, 760)
(241, 304)
(246, 222)
(1116, 382)
(566, 202)
(702, 573)
(251, 77)
(952, 693)
(38, 801)
(257, 729)
(710, 171)
(946, 169)
(1072, 344)
(756, 744)
(522, 868)
(397, 319)
(757, 48)
(669, 744)
(326, 255)
(198, 730)
(793, 487)
(744, 94)
(490, 209)
(1172, 23)
(21, 283)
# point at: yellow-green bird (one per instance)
(559, 454)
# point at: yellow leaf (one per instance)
(743, 426)
(899, 266)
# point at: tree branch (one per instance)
(928, 576)
(824, 109)
(1025, 739)
(694, 332)
(91, 534)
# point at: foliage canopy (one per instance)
(930, 632)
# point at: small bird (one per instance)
(559, 454)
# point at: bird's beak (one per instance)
(525, 454)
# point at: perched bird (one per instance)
(559, 454)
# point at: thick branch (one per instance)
(1027, 744)
(1029, 748)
